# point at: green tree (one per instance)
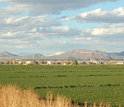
(75, 62)
(43, 62)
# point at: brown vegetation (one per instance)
(12, 96)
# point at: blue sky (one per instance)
(50, 26)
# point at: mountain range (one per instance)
(78, 54)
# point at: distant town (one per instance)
(61, 62)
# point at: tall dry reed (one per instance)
(12, 96)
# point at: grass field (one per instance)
(91, 83)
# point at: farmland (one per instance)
(92, 83)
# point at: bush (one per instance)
(12, 96)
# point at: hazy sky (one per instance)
(48, 26)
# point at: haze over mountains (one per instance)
(78, 54)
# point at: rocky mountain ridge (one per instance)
(7, 54)
(78, 54)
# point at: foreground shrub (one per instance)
(12, 96)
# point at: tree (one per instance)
(75, 62)
(2, 63)
(43, 62)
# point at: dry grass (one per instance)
(12, 96)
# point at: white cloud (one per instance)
(99, 16)
(58, 53)
(28, 27)
(20, 46)
(8, 35)
(16, 46)
(54, 6)
(11, 11)
(61, 31)
(27, 24)
(109, 30)
(83, 38)
(107, 34)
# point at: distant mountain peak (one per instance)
(77, 54)
(33, 56)
(84, 51)
(7, 54)
(81, 54)
(37, 55)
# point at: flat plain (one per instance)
(91, 83)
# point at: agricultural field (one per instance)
(91, 83)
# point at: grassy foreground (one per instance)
(12, 96)
(91, 83)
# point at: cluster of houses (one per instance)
(61, 62)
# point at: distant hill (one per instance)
(6, 54)
(25, 53)
(120, 54)
(86, 54)
(34, 56)
(78, 54)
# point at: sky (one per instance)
(53, 26)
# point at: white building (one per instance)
(120, 63)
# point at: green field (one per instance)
(92, 83)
